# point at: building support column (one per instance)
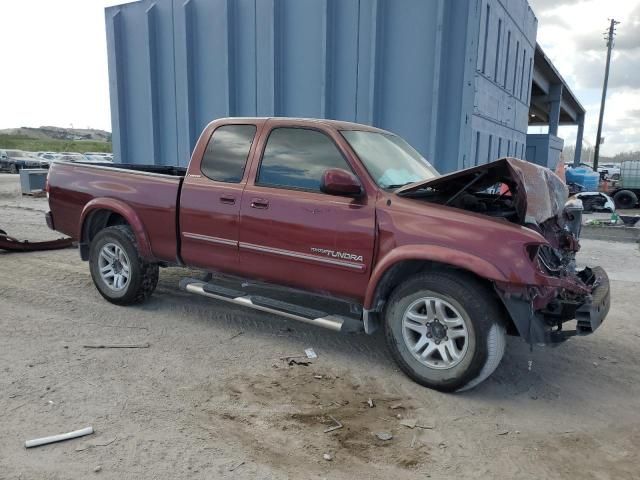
(555, 96)
(578, 151)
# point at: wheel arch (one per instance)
(101, 213)
(403, 263)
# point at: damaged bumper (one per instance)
(546, 325)
(14, 245)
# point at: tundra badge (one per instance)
(334, 254)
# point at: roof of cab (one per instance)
(336, 124)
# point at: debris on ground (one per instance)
(504, 432)
(236, 335)
(337, 425)
(409, 422)
(98, 468)
(384, 436)
(395, 406)
(413, 441)
(370, 403)
(58, 438)
(124, 345)
(91, 445)
(293, 361)
(328, 457)
(310, 353)
(237, 465)
(319, 377)
(14, 245)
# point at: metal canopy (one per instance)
(547, 87)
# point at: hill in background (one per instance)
(55, 139)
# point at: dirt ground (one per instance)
(210, 398)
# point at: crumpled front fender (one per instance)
(433, 253)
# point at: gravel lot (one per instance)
(210, 398)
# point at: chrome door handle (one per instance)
(228, 200)
(259, 203)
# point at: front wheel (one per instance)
(119, 273)
(445, 330)
(625, 199)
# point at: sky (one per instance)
(54, 64)
(571, 34)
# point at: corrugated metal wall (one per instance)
(410, 66)
(504, 66)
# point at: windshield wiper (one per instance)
(398, 185)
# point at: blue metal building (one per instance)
(454, 77)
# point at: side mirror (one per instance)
(336, 181)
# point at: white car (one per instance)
(611, 170)
(99, 156)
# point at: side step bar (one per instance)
(311, 316)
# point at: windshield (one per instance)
(389, 159)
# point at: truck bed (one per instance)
(132, 167)
(150, 191)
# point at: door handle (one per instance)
(229, 200)
(259, 203)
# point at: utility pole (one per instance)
(609, 37)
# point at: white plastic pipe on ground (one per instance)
(58, 438)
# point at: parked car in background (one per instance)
(47, 157)
(627, 190)
(72, 157)
(15, 160)
(100, 157)
(609, 171)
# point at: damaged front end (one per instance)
(534, 197)
(539, 312)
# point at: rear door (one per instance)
(292, 233)
(211, 197)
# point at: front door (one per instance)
(291, 232)
(211, 197)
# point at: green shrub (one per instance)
(22, 142)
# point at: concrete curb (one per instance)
(613, 234)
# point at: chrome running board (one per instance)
(336, 323)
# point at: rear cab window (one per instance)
(296, 158)
(225, 157)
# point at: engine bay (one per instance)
(518, 192)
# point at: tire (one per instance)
(13, 168)
(469, 306)
(625, 199)
(119, 243)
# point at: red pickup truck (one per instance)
(347, 227)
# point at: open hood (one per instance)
(537, 193)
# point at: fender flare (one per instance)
(433, 253)
(129, 214)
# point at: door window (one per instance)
(297, 158)
(226, 155)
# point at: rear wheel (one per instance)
(119, 273)
(13, 168)
(625, 199)
(445, 330)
